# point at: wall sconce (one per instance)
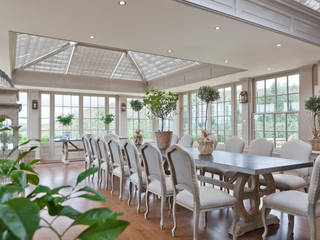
(34, 104)
(243, 97)
(123, 107)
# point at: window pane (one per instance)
(294, 102)
(282, 103)
(270, 87)
(282, 85)
(269, 122)
(293, 82)
(270, 104)
(293, 122)
(258, 122)
(281, 122)
(260, 88)
(260, 105)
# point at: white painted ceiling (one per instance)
(154, 26)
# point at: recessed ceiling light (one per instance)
(122, 3)
(278, 45)
(218, 28)
(92, 37)
(169, 50)
(269, 68)
(226, 61)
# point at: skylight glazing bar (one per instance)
(45, 56)
(71, 56)
(118, 63)
(131, 58)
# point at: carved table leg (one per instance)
(250, 217)
(65, 152)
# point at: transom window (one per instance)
(64, 105)
(221, 115)
(277, 109)
(93, 111)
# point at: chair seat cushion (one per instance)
(293, 202)
(209, 198)
(134, 178)
(117, 171)
(155, 186)
(287, 182)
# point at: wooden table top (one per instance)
(246, 163)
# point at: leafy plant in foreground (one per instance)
(21, 214)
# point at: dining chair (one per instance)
(137, 174)
(174, 139)
(105, 162)
(234, 144)
(261, 146)
(186, 141)
(119, 169)
(158, 182)
(94, 155)
(294, 179)
(297, 203)
(111, 136)
(188, 193)
(87, 151)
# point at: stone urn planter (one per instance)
(206, 144)
(163, 139)
(138, 138)
(315, 141)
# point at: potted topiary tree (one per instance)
(137, 106)
(65, 121)
(208, 95)
(107, 119)
(161, 105)
(313, 105)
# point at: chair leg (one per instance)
(306, 190)
(121, 188)
(195, 223)
(291, 225)
(174, 216)
(205, 219)
(264, 221)
(147, 204)
(139, 199)
(312, 226)
(130, 188)
(163, 204)
(112, 183)
(235, 222)
(107, 179)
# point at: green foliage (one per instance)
(136, 105)
(65, 120)
(107, 119)
(160, 104)
(20, 215)
(208, 95)
(313, 105)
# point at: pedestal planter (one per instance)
(138, 138)
(163, 139)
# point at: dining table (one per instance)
(245, 184)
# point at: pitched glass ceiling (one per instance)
(41, 54)
(313, 4)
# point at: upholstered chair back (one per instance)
(174, 139)
(186, 141)
(261, 146)
(183, 170)
(297, 150)
(115, 152)
(314, 189)
(132, 156)
(102, 150)
(235, 145)
(93, 146)
(152, 160)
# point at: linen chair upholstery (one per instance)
(157, 182)
(118, 167)
(137, 175)
(174, 139)
(186, 141)
(188, 194)
(234, 144)
(294, 179)
(87, 150)
(105, 162)
(94, 155)
(304, 204)
(261, 146)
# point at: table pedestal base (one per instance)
(244, 227)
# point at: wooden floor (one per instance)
(218, 221)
